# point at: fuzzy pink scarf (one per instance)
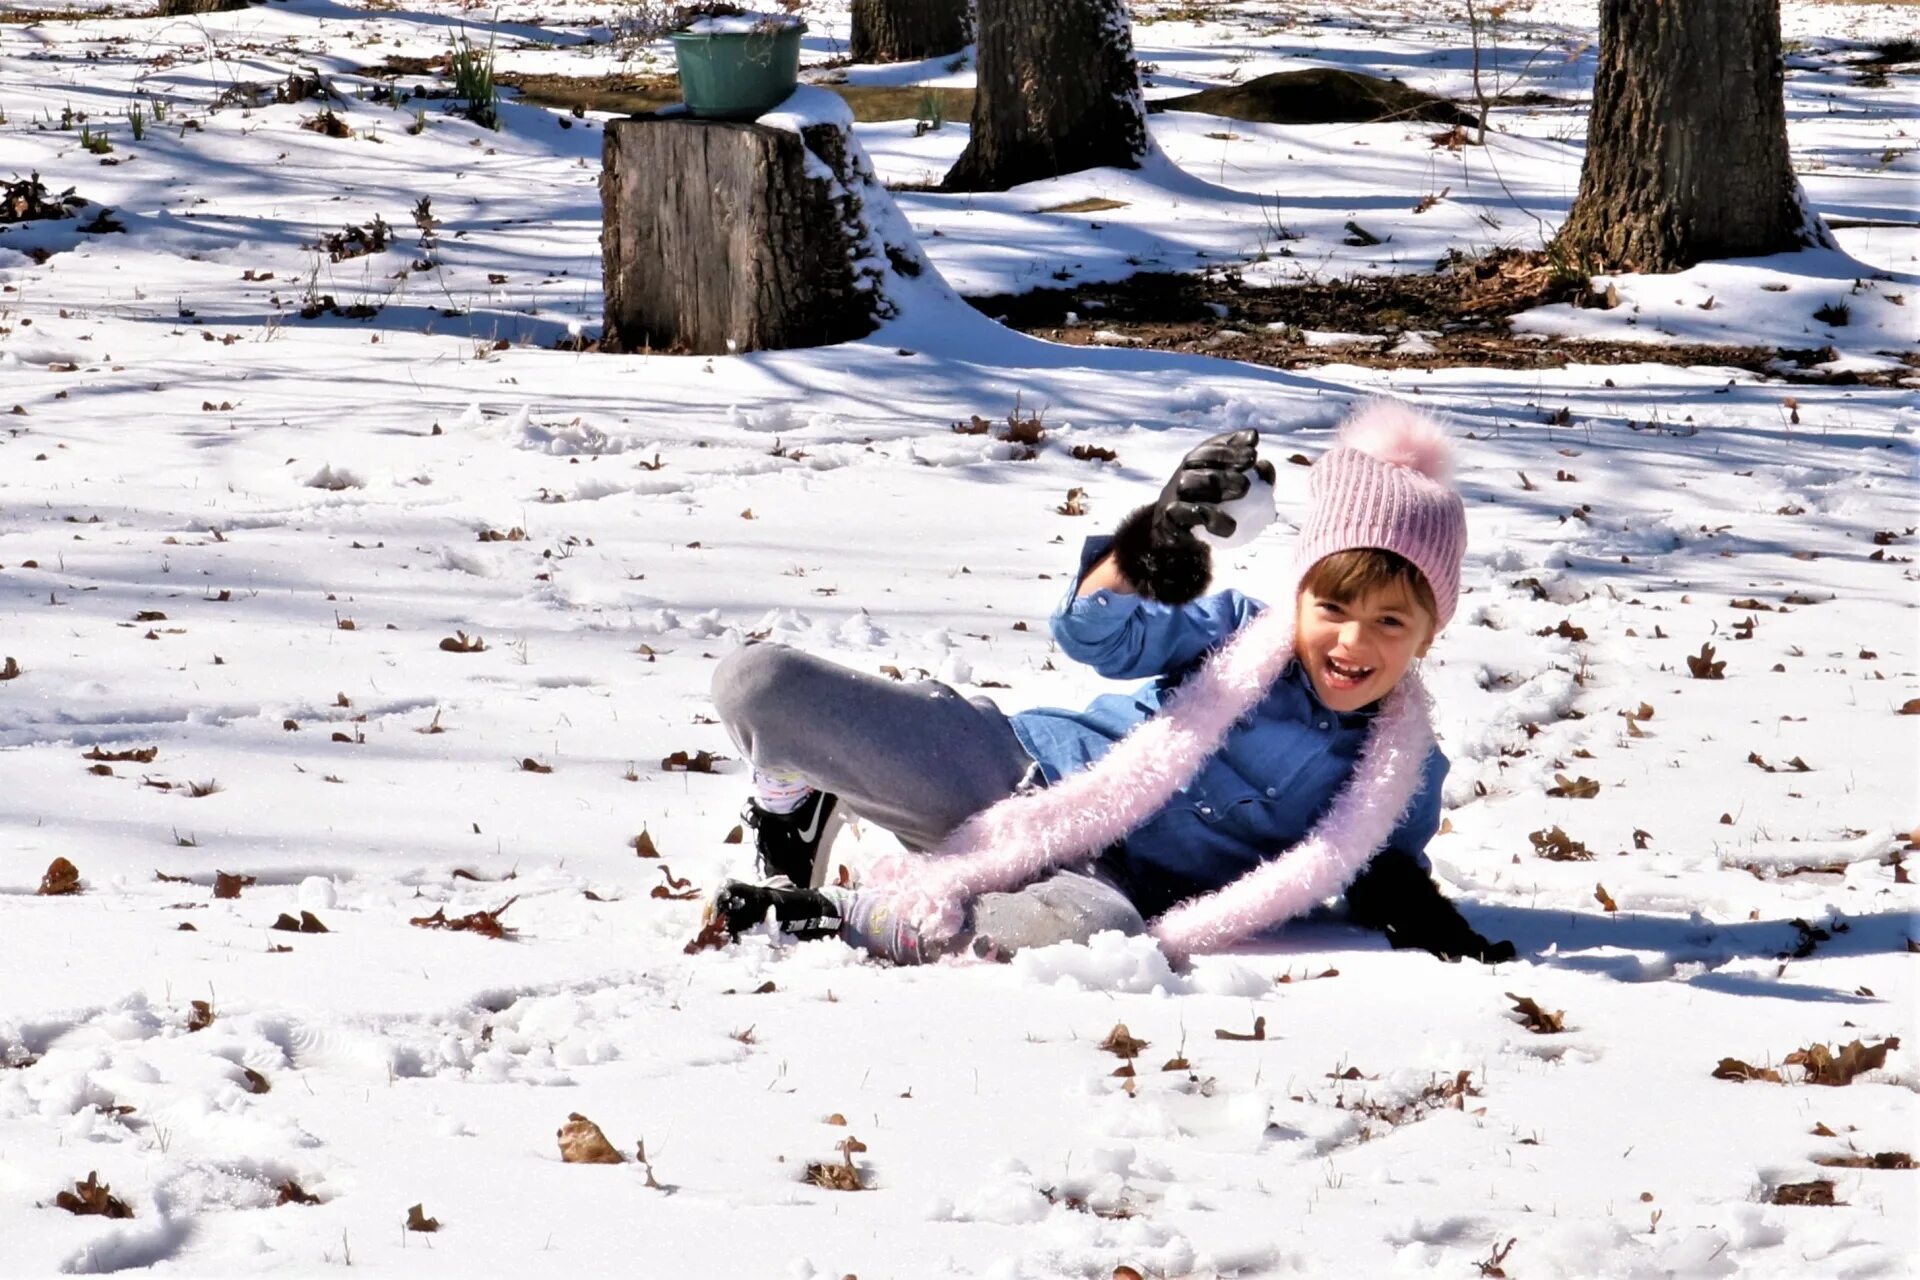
(1023, 837)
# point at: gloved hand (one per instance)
(1163, 548)
(1397, 896)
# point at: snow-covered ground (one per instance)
(237, 538)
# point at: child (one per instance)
(1274, 759)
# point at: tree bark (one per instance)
(1057, 92)
(185, 8)
(1687, 140)
(719, 236)
(908, 30)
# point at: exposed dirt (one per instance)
(1322, 95)
(1460, 312)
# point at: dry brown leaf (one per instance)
(10, 669)
(417, 1220)
(1605, 899)
(1836, 1068)
(226, 885)
(61, 877)
(1536, 1019)
(1879, 1160)
(734, 836)
(1259, 1032)
(1819, 1192)
(530, 765)
(643, 846)
(1075, 504)
(1734, 1069)
(292, 1192)
(1556, 845)
(200, 1015)
(1581, 788)
(1121, 1043)
(93, 1197)
(485, 923)
(1094, 453)
(459, 642)
(138, 755)
(1703, 665)
(698, 762)
(582, 1142)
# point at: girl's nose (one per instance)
(1350, 633)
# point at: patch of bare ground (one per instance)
(1461, 313)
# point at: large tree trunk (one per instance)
(1057, 93)
(908, 30)
(1687, 140)
(727, 236)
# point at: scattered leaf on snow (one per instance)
(1734, 1069)
(1817, 1192)
(61, 877)
(93, 1197)
(734, 836)
(229, 886)
(1839, 1067)
(200, 1015)
(1556, 845)
(485, 923)
(1075, 504)
(10, 670)
(1879, 1160)
(1703, 665)
(292, 1192)
(676, 888)
(138, 755)
(643, 846)
(1259, 1032)
(1536, 1019)
(1605, 899)
(417, 1220)
(698, 762)
(1581, 788)
(459, 643)
(530, 765)
(1122, 1043)
(582, 1142)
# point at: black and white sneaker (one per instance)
(806, 914)
(794, 844)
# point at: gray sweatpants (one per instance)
(914, 757)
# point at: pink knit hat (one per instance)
(1386, 484)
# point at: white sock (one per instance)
(777, 792)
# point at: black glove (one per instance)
(1155, 547)
(1397, 896)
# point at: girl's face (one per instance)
(1355, 651)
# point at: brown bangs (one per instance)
(1347, 576)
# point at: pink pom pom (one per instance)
(1396, 432)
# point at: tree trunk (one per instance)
(720, 236)
(908, 30)
(1057, 93)
(1687, 140)
(185, 8)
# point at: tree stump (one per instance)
(723, 236)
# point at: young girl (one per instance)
(1274, 758)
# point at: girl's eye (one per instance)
(1391, 622)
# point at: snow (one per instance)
(609, 526)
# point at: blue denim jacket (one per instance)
(1277, 772)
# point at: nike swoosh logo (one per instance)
(812, 831)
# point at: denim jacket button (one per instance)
(1272, 792)
(1324, 724)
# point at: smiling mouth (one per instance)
(1346, 676)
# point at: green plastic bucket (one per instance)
(737, 75)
